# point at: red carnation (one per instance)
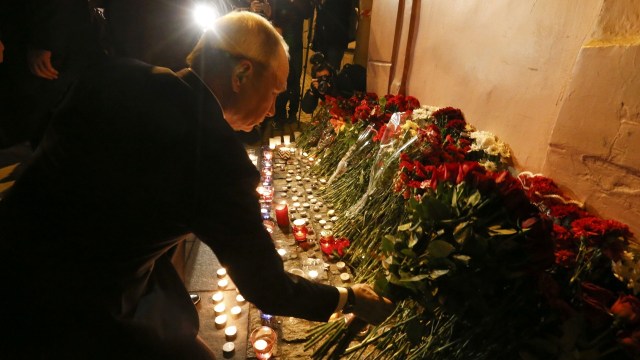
(627, 309)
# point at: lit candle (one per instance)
(268, 155)
(345, 277)
(230, 332)
(282, 215)
(217, 297)
(260, 345)
(287, 139)
(236, 310)
(222, 284)
(262, 339)
(331, 212)
(219, 309)
(313, 274)
(341, 266)
(221, 321)
(222, 272)
(240, 299)
(282, 253)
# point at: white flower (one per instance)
(489, 143)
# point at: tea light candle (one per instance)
(221, 321)
(306, 205)
(296, 204)
(282, 253)
(260, 345)
(328, 227)
(222, 272)
(230, 332)
(228, 348)
(264, 213)
(287, 139)
(282, 215)
(322, 222)
(298, 178)
(316, 208)
(289, 179)
(217, 297)
(323, 181)
(317, 217)
(331, 212)
(309, 191)
(313, 274)
(310, 197)
(236, 310)
(334, 218)
(240, 299)
(345, 277)
(219, 309)
(222, 284)
(294, 198)
(341, 266)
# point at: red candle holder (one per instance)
(282, 215)
(300, 230)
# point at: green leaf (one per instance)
(464, 259)
(434, 209)
(434, 274)
(440, 249)
(462, 232)
(404, 227)
(474, 199)
(498, 230)
(413, 240)
(387, 243)
(415, 278)
(408, 253)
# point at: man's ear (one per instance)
(241, 72)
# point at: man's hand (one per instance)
(370, 306)
(40, 64)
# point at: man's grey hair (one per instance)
(240, 34)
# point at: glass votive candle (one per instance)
(217, 297)
(230, 332)
(264, 212)
(221, 321)
(282, 215)
(222, 284)
(222, 272)
(236, 311)
(299, 230)
(219, 309)
(263, 340)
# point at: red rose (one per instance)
(627, 308)
(565, 258)
(630, 340)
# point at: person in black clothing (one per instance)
(288, 17)
(331, 35)
(48, 45)
(322, 83)
(136, 158)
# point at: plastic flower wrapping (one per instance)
(484, 263)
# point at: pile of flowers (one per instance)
(446, 229)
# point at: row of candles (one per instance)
(221, 317)
(303, 201)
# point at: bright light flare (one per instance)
(205, 15)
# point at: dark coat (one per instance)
(135, 159)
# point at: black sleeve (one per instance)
(309, 102)
(228, 220)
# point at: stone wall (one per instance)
(556, 79)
